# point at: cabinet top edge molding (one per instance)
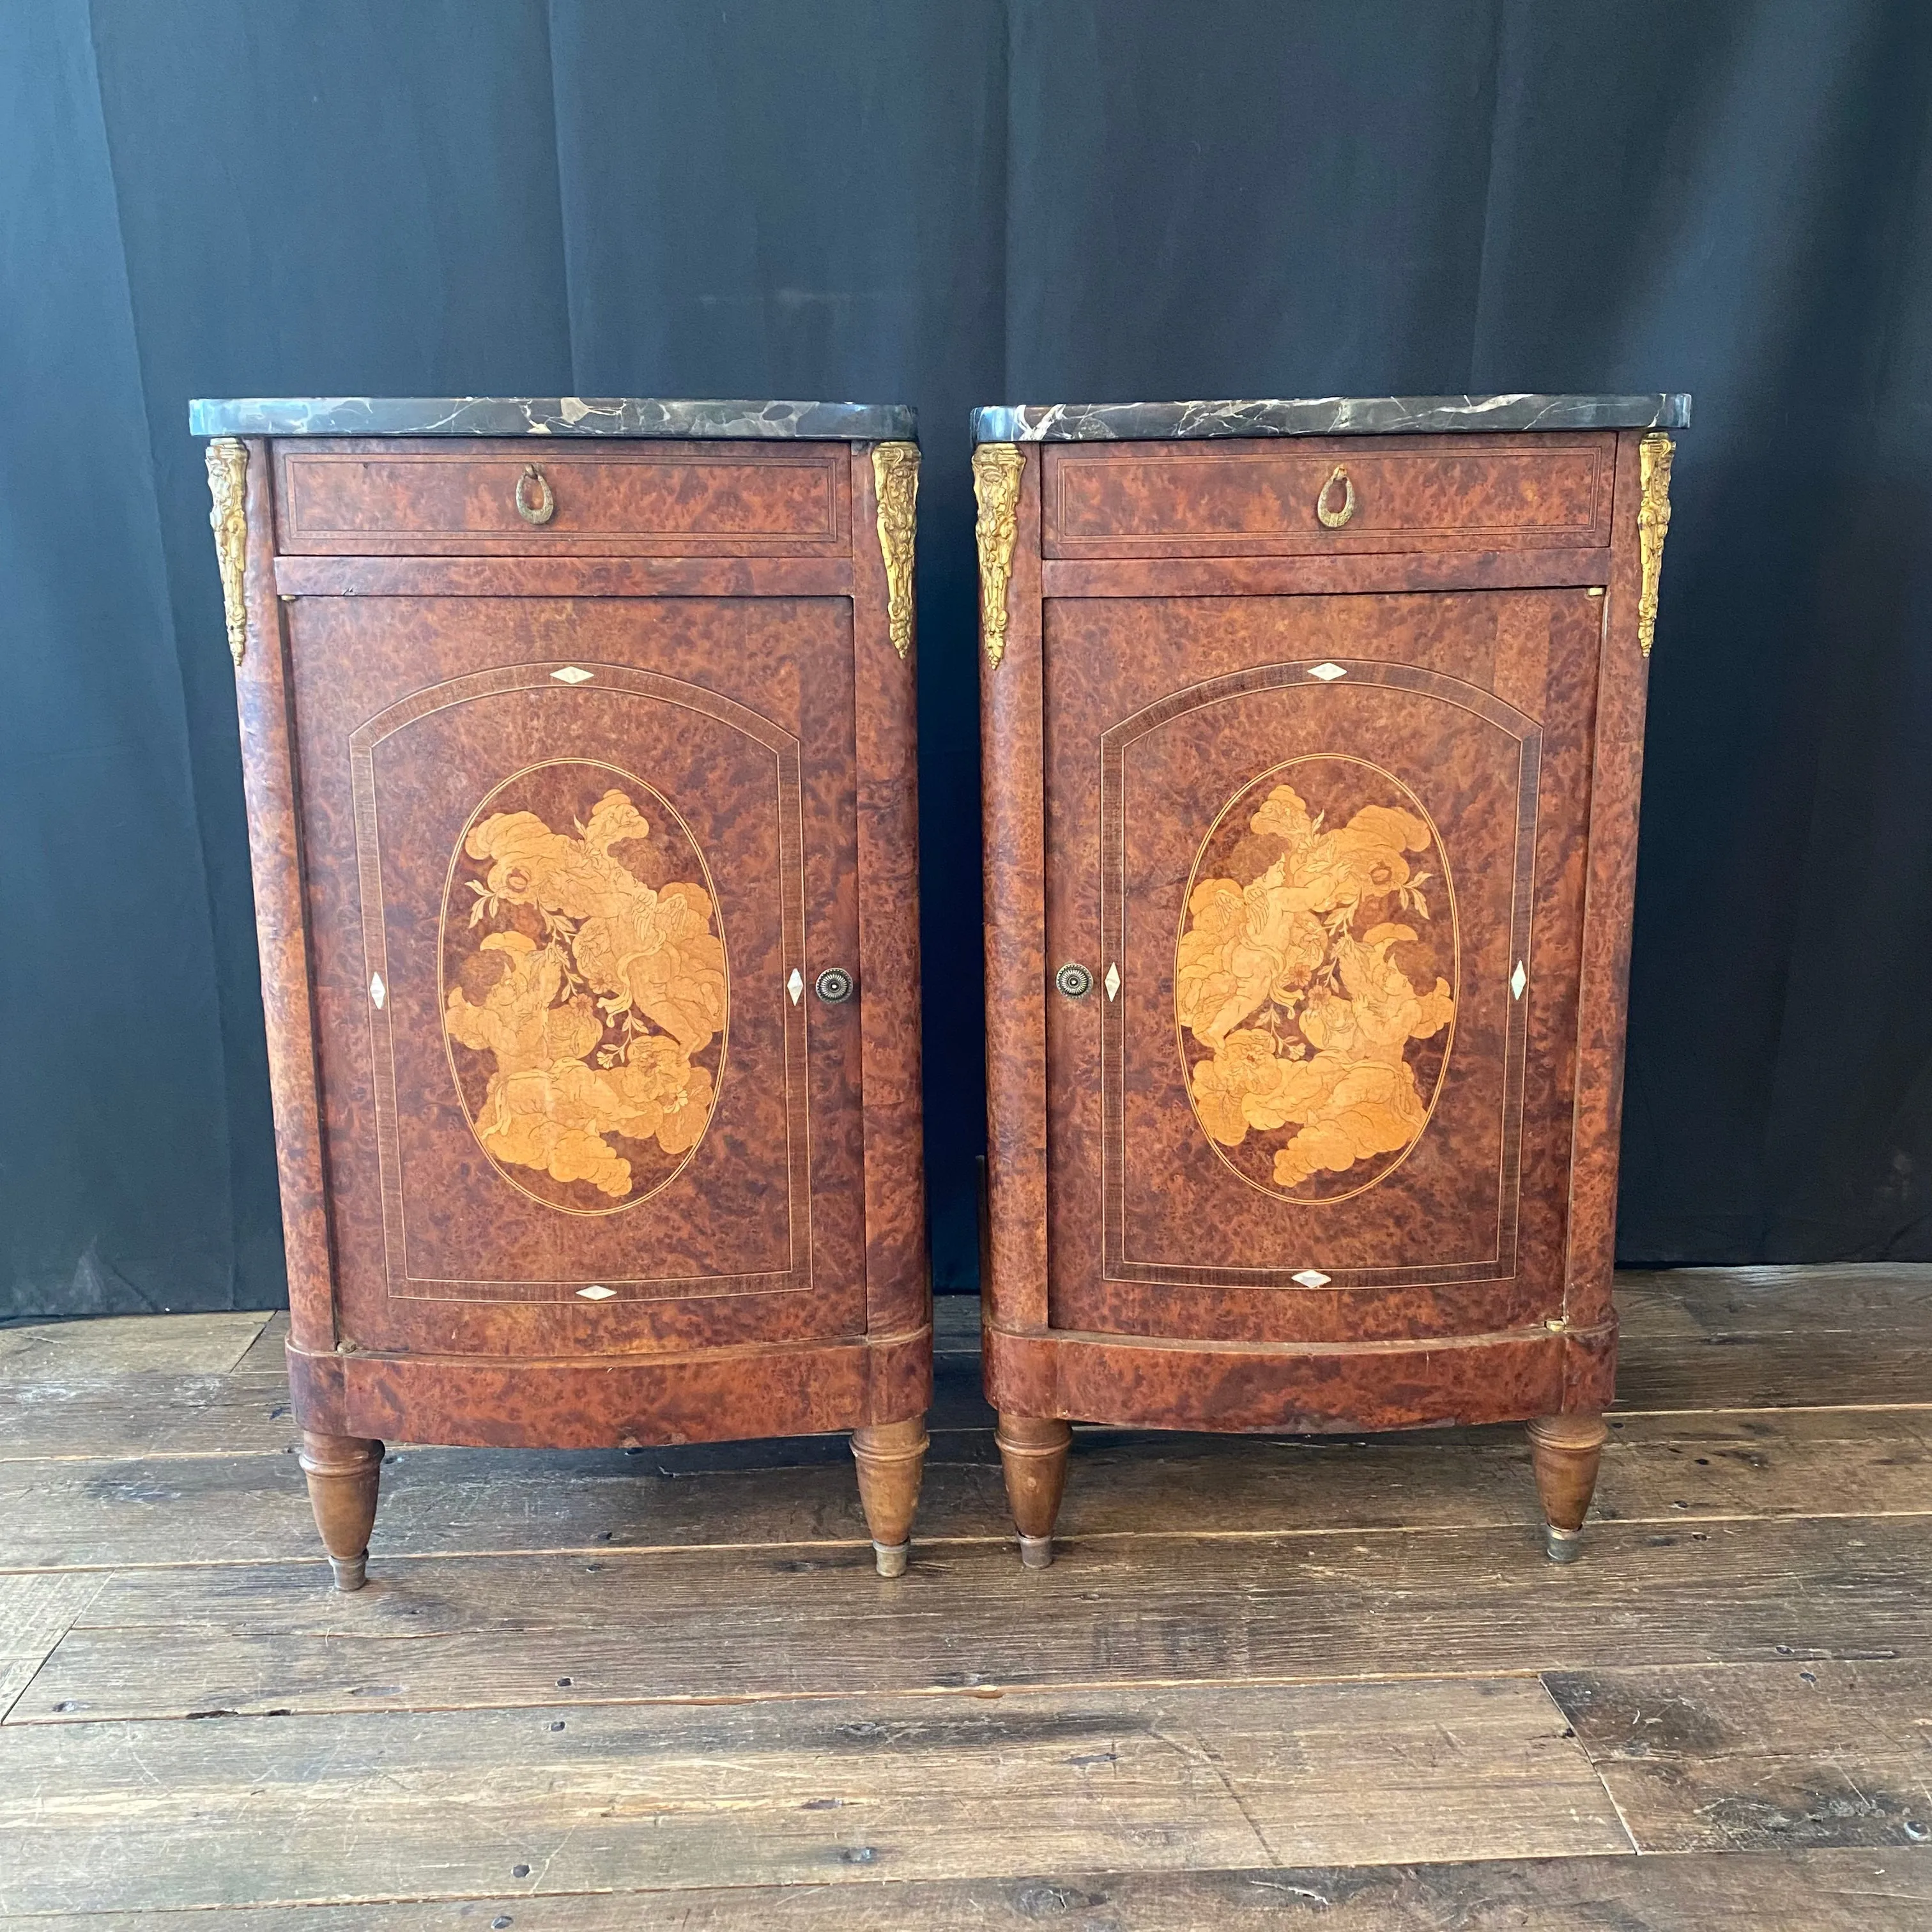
(632, 416)
(1322, 416)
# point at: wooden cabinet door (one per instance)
(572, 868)
(1323, 857)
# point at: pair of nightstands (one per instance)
(578, 738)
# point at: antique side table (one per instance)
(578, 741)
(1313, 735)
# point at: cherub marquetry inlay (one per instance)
(585, 990)
(1316, 978)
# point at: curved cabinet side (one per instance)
(274, 847)
(898, 1281)
(1012, 753)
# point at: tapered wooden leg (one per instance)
(890, 1456)
(1033, 1450)
(342, 1472)
(1565, 1451)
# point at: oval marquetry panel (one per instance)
(584, 988)
(1316, 977)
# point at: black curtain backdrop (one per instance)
(949, 202)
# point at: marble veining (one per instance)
(642, 416)
(1322, 416)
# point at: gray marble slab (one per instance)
(553, 415)
(1322, 416)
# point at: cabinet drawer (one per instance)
(1282, 498)
(524, 497)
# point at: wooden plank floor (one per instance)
(1268, 1683)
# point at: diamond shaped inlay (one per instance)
(1311, 1278)
(378, 992)
(1112, 981)
(1327, 672)
(795, 985)
(595, 1293)
(573, 674)
(1518, 980)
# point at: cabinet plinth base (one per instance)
(720, 1395)
(1557, 1381)
(878, 1389)
(1134, 1381)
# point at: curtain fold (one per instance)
(959, 202)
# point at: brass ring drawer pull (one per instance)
(536, 505)
(1333, 520)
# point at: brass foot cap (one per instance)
(1036, 1552)
(891, 1557)
(1561, 1545)
(351, 1572)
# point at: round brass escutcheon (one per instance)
(835, 986)
(1074, 980)
(1333, 520)
(536, 501)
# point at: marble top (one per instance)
(1322, 416)
(553, 415)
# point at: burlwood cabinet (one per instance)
(578, 741)
(1313, 738)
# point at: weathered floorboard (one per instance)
(1775, 1338)
(570, 1799)
(1763, 1756)
(1802, 1891)
(179, 1344)
(35, 1611)
(1772, 1371)
(1743, 1656)
(98, 1418)
(162, 1509)
(1854, 1297)
(439, 1634)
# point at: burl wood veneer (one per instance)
(578, 740)
(1313, 735)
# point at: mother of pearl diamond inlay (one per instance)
(378, 993)
(1311, 1278)
(1327, 672)
(1518, 980)
(595, 1293)
(573, 674)
(795, 985)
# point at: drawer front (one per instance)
(1276, 499)
(388, 498)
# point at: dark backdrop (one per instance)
(947, 203)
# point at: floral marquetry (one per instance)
(585, 997)
(1316, 978)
